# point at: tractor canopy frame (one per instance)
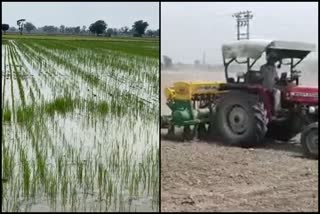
(252, 50)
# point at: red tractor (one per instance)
(245, 115)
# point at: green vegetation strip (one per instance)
(138, 46)
(63, 105)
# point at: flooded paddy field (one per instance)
(80, 124)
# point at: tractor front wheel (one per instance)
(309, 140)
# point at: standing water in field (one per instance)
(80, 125)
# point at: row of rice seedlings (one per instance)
(24, 162)
(26, 171)
(52, 82)
(11, 81)
(66, 63)
(36, 60)
(20, 86)
(113, 61)
(115, 66)
(49, 80)
(68, 59)
(85, 75)
(8, 163)
(4, 76)
(23, 58)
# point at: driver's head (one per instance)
(271, 57)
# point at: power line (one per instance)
(243, 19)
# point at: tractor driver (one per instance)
(270, 77)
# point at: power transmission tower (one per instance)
(243, 19)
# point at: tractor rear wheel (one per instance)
(309, 140)
(241, 119)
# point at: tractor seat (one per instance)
(253, 77)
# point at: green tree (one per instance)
(77, 30)
(29, 27)
(12, 29)
(139, 28)
(5, 27)
(150, 33)
(62, 28)
(109, 32)
(98, 27)
(83, 29)
(124, 30)
(50, 29)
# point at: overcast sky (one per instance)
(189, 29)
(115, 14)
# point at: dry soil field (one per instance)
(207, 176)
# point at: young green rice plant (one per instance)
(6, 115)
(61, 105)
(32, 96)
(25, 114)
(26, 172)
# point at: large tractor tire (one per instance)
(309, 140)
(241, 119)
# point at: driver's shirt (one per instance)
(269, 74)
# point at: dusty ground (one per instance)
(207, 176)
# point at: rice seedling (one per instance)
(6, 115)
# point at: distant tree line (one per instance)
(98, 28)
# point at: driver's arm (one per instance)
(276, 77)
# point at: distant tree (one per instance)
(12, 29)
(29, 27)
(115, 31)
(124, 30)
(50, 29)
(150, 33)
(139, 28)
(62, 28)
(5, 27)
(109, 32)
(98, 27)
(69, 30)
(167, 61)
(84, 29)
(77, 30)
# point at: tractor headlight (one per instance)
(312, 109)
